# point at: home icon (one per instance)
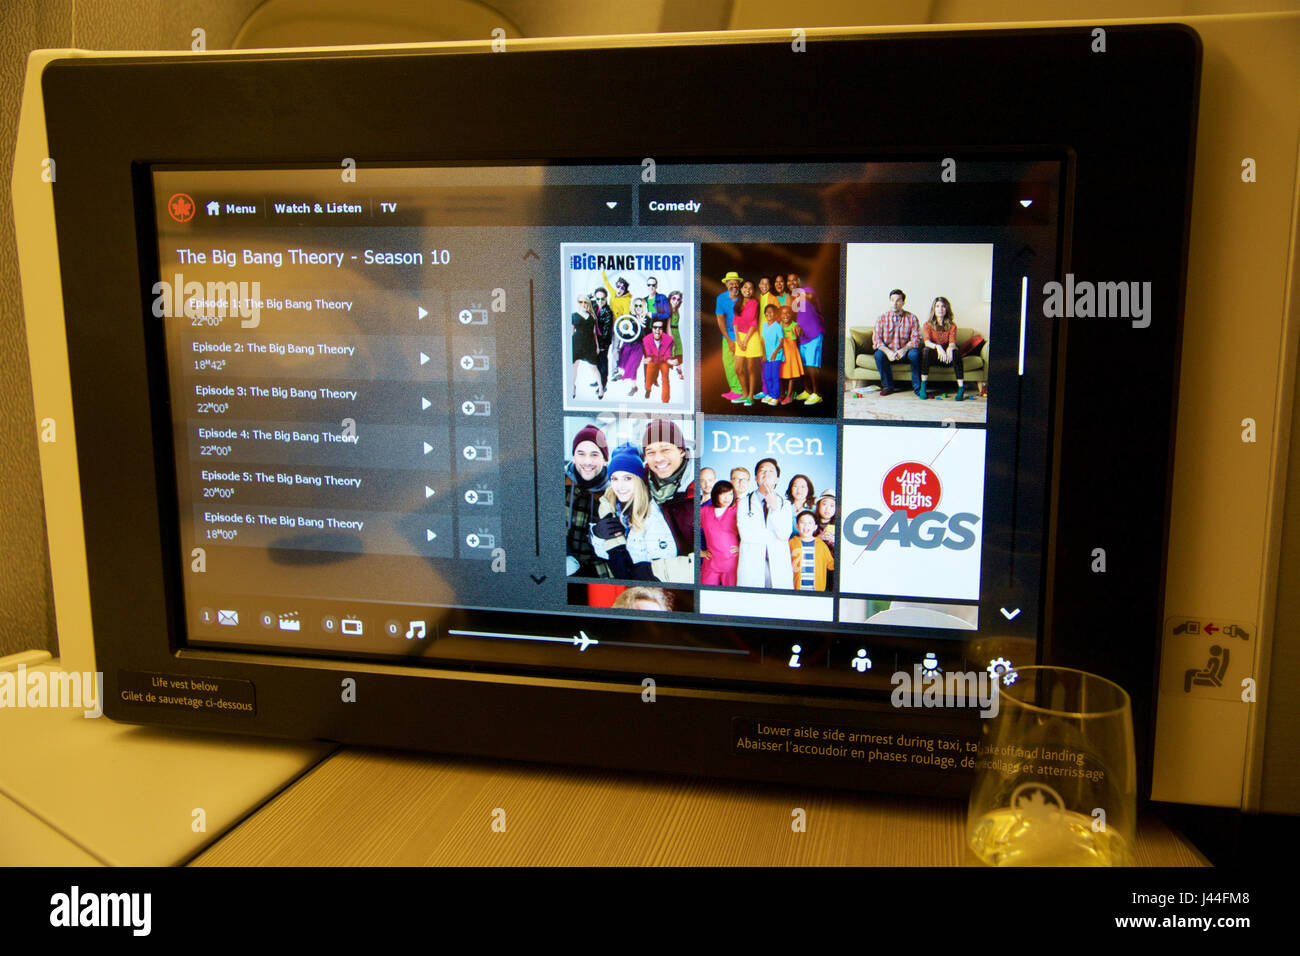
(214, 208)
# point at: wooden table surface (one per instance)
(386, 808)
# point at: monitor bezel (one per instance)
(102, 117)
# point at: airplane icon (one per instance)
(581, 641)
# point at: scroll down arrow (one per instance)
(1010, 615)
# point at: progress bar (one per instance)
(582, 641)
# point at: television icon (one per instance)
(480, 540)
(476, 407)
(474, 315)
(478, 496)
(351, 626)
(477, 452)
(474, 363)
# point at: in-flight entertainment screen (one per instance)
(772, 423)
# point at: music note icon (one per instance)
(416, 630)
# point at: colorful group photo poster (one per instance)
(770, 503)
(629, 496)
(627, 325)
(770, 329)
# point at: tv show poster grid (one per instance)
(848, 440)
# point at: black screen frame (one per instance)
(1127, 116)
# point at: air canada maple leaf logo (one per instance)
(1037, 801)
(181, 207)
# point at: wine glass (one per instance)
(1055, 776)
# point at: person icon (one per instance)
(861, 662)
(1212, 674)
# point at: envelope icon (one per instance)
(229, 618)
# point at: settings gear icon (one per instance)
(1001, 667)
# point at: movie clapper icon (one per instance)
(289, 621)
(481, 539)
(478, 496)
(474, 363)
(861, 662)
(415, 631)
(474, 315)
(476, 406)
(477, 452)
(351, 627)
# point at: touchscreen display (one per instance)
(772, 423)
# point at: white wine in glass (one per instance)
(1055, 775)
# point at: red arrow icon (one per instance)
(1210, 628)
